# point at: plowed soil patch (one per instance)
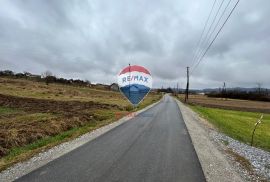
(38, 118)
(50, 106)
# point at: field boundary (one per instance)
(42, 158)
(228, 104)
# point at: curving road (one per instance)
(154, 146)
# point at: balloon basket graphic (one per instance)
(135, 93)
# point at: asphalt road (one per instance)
(154, 146)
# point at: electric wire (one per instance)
(201, 36)
(204, 43)
(210, 36)
(201, 58)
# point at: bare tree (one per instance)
(47, 75)
(27, 74)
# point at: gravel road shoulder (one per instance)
(214, 164)
(45, 157)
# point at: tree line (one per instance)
(46, 77)
(259, 94)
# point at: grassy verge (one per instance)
(238, 124)
(18, 154)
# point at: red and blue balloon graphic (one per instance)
(135, 82)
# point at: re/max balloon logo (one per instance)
(134, 78)
(135, 82)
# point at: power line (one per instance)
(201, 36)
(229, 2)
(201, 58)
(207, 34)
(210, 35)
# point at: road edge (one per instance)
(22, 168)
(214, 164)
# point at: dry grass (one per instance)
(58, 92)
(245, 164)
(243, 161)
(34, 116)
(233, 104)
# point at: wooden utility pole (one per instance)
(224, 87)
(177, 89)
(187, 88)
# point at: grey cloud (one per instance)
(94, 39)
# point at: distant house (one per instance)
(114, 87)
(100, 86)
(34, 76)
(201, 93)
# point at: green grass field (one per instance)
(239, 125)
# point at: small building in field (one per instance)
(114, 87)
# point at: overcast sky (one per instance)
(95, 39)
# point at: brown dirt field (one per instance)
(39, 110)
(232, 104)
(39, 118)
(51, 106)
